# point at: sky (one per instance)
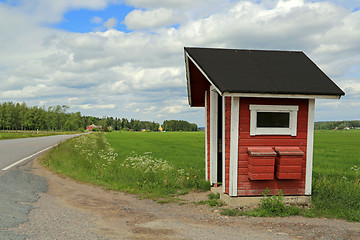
(125, 58)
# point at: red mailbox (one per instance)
(261, 163)
(289, 162)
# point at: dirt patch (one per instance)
(124, 216)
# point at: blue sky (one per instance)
(124, 58)
(84, 20)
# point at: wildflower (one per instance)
(187, 178)
(146, 163)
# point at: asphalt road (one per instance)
(18, 187)
(25, 149)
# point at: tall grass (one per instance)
(336, 175)
(183, 149)
(92, 159)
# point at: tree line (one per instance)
(339, 125)
(16, 116)
(179, 125)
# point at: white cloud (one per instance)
(96, 106)
(150, 109)
(72, 99)
(26, 92)
(328, 104)
(164, 3)
(351, 87)
(110, 23)
(139, 19)
(174, 109)
(45, 11)
(96, 20)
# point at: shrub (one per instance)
(273, 206)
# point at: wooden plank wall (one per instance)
(247, 187)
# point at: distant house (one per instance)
(259, 125)
(92, 127)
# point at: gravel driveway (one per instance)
(71, 210)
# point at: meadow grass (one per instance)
(153, 165)
(27, 134)
(336, 175)
(183, 149)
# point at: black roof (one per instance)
(262, 71)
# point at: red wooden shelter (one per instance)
(259, 109)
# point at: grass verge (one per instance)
(92, 159)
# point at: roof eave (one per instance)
(187, 55)
(273, 95)
(188, 77)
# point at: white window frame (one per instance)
(291, 109)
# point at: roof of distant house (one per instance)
(256, 72)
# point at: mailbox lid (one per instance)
(261, 151)
(289, 151)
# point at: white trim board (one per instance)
(213, 134)
(310, 147)
(206, 139)
(234, 146)
(291, 109)
(188, 80)
(223, 144)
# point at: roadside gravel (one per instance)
(48, 221)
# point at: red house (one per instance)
(259, 109)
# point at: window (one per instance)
(273, 120)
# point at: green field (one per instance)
(337, 153)
(162, 165)
(27, 134)
(336, 174)
(183, 149)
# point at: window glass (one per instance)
(273, 120)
